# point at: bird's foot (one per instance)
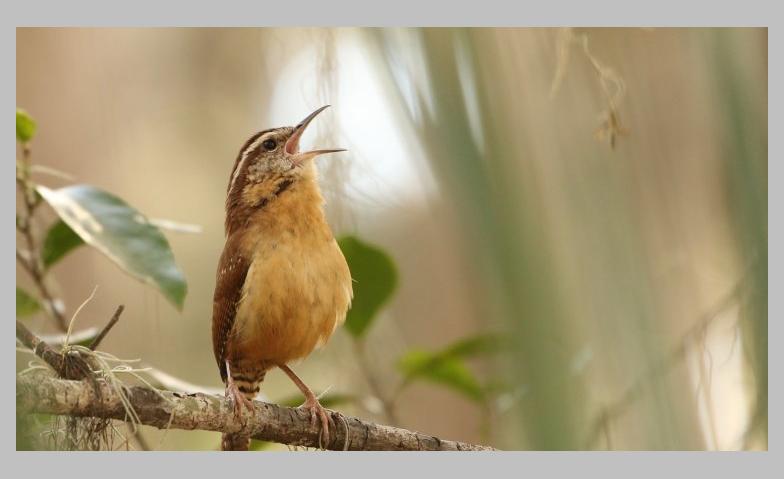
(318, 413)
(311, 404)
(239, 400)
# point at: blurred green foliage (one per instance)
(375, 280)
(447, 366)
(25, 126)
(375, 276)
(500, 221)
(745, 160)
(256, 445)
(26, 305)
(443, 369)
(479, 345)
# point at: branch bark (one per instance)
(42, 393)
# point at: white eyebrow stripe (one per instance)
(245, 154)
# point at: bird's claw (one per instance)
(238, 399)
(318, 413)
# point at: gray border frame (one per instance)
(402, 13)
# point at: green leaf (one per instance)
(375, 279)
(25, 126)
(441, 368)
(110, 225)
(447, 367)
(26, 305)
(479, 345)
(59, 241)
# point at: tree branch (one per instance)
(53, 358)
(115, 317)
(41, 393)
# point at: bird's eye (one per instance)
(269, 145)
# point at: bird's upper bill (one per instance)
(292, 144)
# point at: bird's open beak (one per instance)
(292, 144)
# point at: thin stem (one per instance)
(32, 262)
(109, 325)
(387, 403)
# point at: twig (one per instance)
(115, 317)
(661, 366)
(387, 403)
(39, 347)
(70, 366)
(611, 126)
(269, 422)
(32, 263)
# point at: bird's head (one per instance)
(268, 165)
(274, 154)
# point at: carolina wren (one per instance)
(282, 285)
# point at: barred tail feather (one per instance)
(249, 389)
(235, 442)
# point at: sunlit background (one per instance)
(596, 197)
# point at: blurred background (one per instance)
(594, 198)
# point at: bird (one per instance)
(282, 284)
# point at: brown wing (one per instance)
(229, 280)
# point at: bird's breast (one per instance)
(297, 291)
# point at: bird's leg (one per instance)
(234, 393)
(311, 403)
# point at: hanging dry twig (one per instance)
(612, 85)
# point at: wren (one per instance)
(282, 284)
